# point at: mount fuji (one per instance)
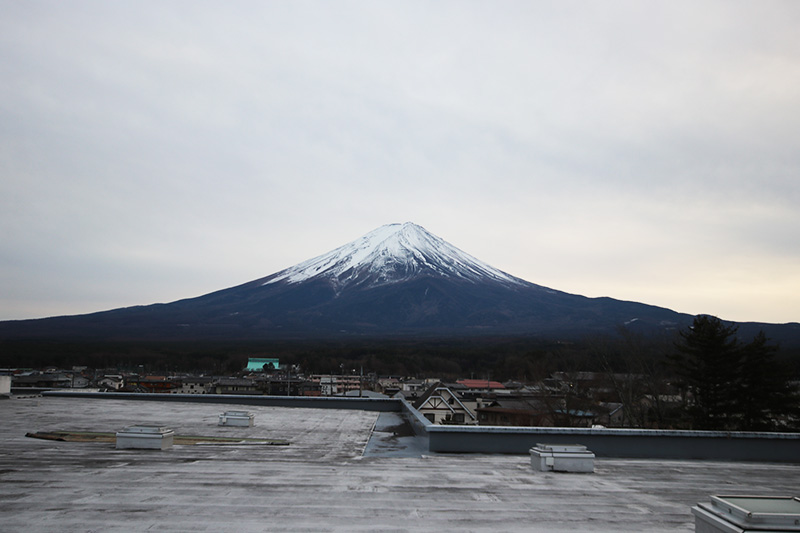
(398, 280)
(391, 254)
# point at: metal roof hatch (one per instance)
(747, 513)
(562, 458)
(145, 436)
(236, 418)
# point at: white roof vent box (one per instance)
(562, 458)
(236, 418)
(747, 513)
(145, 436)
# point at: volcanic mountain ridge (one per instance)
(398, 280)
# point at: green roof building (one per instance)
(259, 364)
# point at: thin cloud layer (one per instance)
(161, 150)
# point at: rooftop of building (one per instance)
(344, 470)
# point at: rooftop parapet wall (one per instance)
(419, 423)
(622, 443)
(311, 402)
(606, 442)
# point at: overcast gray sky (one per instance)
(647, 151)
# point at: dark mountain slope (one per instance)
(396, 280)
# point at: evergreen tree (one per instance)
(765, 396)
(732, 385)
(708, 361)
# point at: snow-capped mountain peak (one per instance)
(393, 253)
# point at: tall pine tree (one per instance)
(708, 361)
(733, 386)
(765, 398)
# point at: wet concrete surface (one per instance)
(343, 471)
(393, 436)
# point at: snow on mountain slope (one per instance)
(391, 254)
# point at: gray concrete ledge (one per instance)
(606, 442)
(622, 443)
(312, 402)
(419, 423)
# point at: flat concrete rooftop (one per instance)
(324, 480)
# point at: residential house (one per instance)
(193, 385)
(235, 386)
(291, 386)
(159, 384)
(611, 414)
(333, 385)
(111, 382)
(481, 385)
(79, 381)
(42, 380)
(520, 411)
(441, 405)
(389, 386)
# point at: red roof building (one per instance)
(480, 384)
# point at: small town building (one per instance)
(159, 384)
(235, 386)
(262, 364)
(193, 385)
(111, 382)
(516, 412)
(42, 380)
(481, 384)
(389, 386)
(284, 385)
(441, 405)
(337, 385)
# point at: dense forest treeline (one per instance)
(515, 358)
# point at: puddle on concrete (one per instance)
(393, 436)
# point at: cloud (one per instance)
(184, 147)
